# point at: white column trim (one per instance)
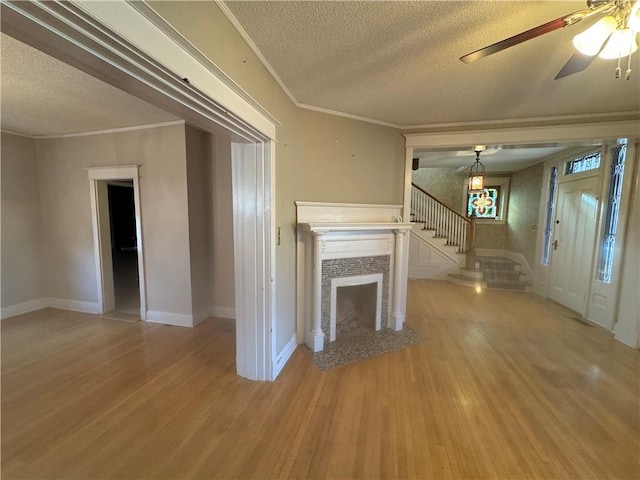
(316, 336)
(399, 283)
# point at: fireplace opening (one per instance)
(356, 305)
(356, 309)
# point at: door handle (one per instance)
(555, 244)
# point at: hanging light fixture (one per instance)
(477, 172)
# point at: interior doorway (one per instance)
(124, 251)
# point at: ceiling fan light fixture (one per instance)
(621, 43)
(634, 17)
(590, 41)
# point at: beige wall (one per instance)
(524, 205)
(199, 199)
(22, 243)
(66, 212)
(221, 227)
(210, 223)
(319, 157)
(444, 184)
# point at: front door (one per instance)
(573, 242)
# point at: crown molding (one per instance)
(99, 132)
(254, 48)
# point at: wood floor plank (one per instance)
(505, 385)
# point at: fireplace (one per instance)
(351, 274)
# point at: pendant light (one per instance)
(477, 172)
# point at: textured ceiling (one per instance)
(397, 62)
(43, 96)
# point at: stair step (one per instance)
(514, 286)
(498, 263)
(471, 274)
(502, 275)
(458, 279)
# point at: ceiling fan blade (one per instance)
(527, 35)
(577, 63)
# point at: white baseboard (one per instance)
(61, 303)
(23, 307)
(73, 305)
(167, 318)
(284, 356)
(224, 312)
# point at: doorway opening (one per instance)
(124, 250)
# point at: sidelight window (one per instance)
(608, 240)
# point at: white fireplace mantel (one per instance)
(334, 231)
(334, 240)
(329, 227)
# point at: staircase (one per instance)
(436, 217)
(493, 272)
(444, 245)
(439, 246)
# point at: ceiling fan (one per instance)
(611, 37)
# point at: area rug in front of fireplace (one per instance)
(352, 349)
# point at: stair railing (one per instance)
(435, 215)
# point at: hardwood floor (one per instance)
(506, 385)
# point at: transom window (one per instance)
(485, 204)
(583, 164)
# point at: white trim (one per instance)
(591, 132)
(350, 116)
(17, 134)
(59, 303)
(127, 21)
(73, 305)
(167, 318)
(283, 357)
(253, 240)
(168, 29)
(111, 130)
(223, 312)
(353, 281)
(23, 307)
(617, 116)
(254, 48)
(116, 172)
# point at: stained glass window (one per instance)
(608, 240)
(485, 204)
(583, 164)
(548, 224)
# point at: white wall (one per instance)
(64, 193)
(22, 242)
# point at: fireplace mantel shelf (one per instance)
(325, 227)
